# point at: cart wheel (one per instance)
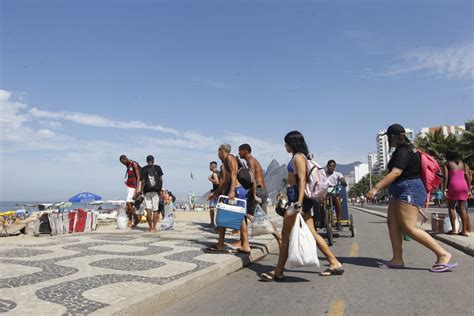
(329, 229)
(351, 224)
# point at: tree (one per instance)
(363, 186)
(284, 183)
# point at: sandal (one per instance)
(331, 272)
(244, 252)
(270, 277)
(390, 265)
(441, 267)
(215, 250)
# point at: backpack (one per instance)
(316, 180)
(244, 175)
(430, 172)
(152, 181)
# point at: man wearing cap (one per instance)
(152, 184)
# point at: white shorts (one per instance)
(130, 194)
(152, 200)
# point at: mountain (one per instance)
(346, 169)
(275, 173)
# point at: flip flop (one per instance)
(331, 272)
(389, 265)
(270, 277)
(215, 250)
(439, 267)
(248, 253)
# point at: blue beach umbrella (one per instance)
(85, 197)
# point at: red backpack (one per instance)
(430, 172)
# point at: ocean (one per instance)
(13, 206)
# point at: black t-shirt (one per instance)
(144, 173)
(407, 159)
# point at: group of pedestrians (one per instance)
(404, 180)
(407, 191)
(145, 185)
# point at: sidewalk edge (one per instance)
(153, 303)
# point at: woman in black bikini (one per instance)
(296, 145)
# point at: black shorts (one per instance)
(308, 204)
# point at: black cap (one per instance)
(150, 158)
(395, 129)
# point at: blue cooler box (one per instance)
(228, 215)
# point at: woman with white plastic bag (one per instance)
(302, 250)
(297, 178)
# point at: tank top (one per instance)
(131, 176)
(215, 186)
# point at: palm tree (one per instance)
(436, 144)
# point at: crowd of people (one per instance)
(403, 179)
(145, 186)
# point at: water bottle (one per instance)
(291, 210)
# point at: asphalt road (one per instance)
(444, 210)
(364, 289)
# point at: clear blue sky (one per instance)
(84, 81)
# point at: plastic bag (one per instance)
(302, 249)
(261, 224)
(168, 222)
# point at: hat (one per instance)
(395, 129)
(150, 158)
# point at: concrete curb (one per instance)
(459, 245)
(174, 291)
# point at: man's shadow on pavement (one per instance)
(260, 268)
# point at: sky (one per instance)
(82, 82)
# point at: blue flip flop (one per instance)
(440, 267)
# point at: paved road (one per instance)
(365, 289)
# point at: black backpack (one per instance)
(152, 180)
(244, 175)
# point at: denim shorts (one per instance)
(411, 191)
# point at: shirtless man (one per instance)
(258, 194)
(230, 187)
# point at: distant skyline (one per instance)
(82, 82)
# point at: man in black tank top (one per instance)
(214, 178)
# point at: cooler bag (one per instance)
(230, 215)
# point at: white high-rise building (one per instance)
(372, 161)
(361, 171)
(383, 150)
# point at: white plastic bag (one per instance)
(302, 249)
(261, 224)
(447, 227)
(168, 222)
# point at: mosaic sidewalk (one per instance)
(110, 271)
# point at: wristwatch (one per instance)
(297, 205)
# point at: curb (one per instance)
(464, 247)
(179, 289)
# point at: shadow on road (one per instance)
(260, 268)
(369, 262)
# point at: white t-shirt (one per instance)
(334, 177)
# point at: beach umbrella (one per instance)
(85, 197)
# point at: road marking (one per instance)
(337, 308)
(354, 250)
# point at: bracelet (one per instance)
(297, 205)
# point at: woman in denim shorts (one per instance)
(408, 195)
(296, 145)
